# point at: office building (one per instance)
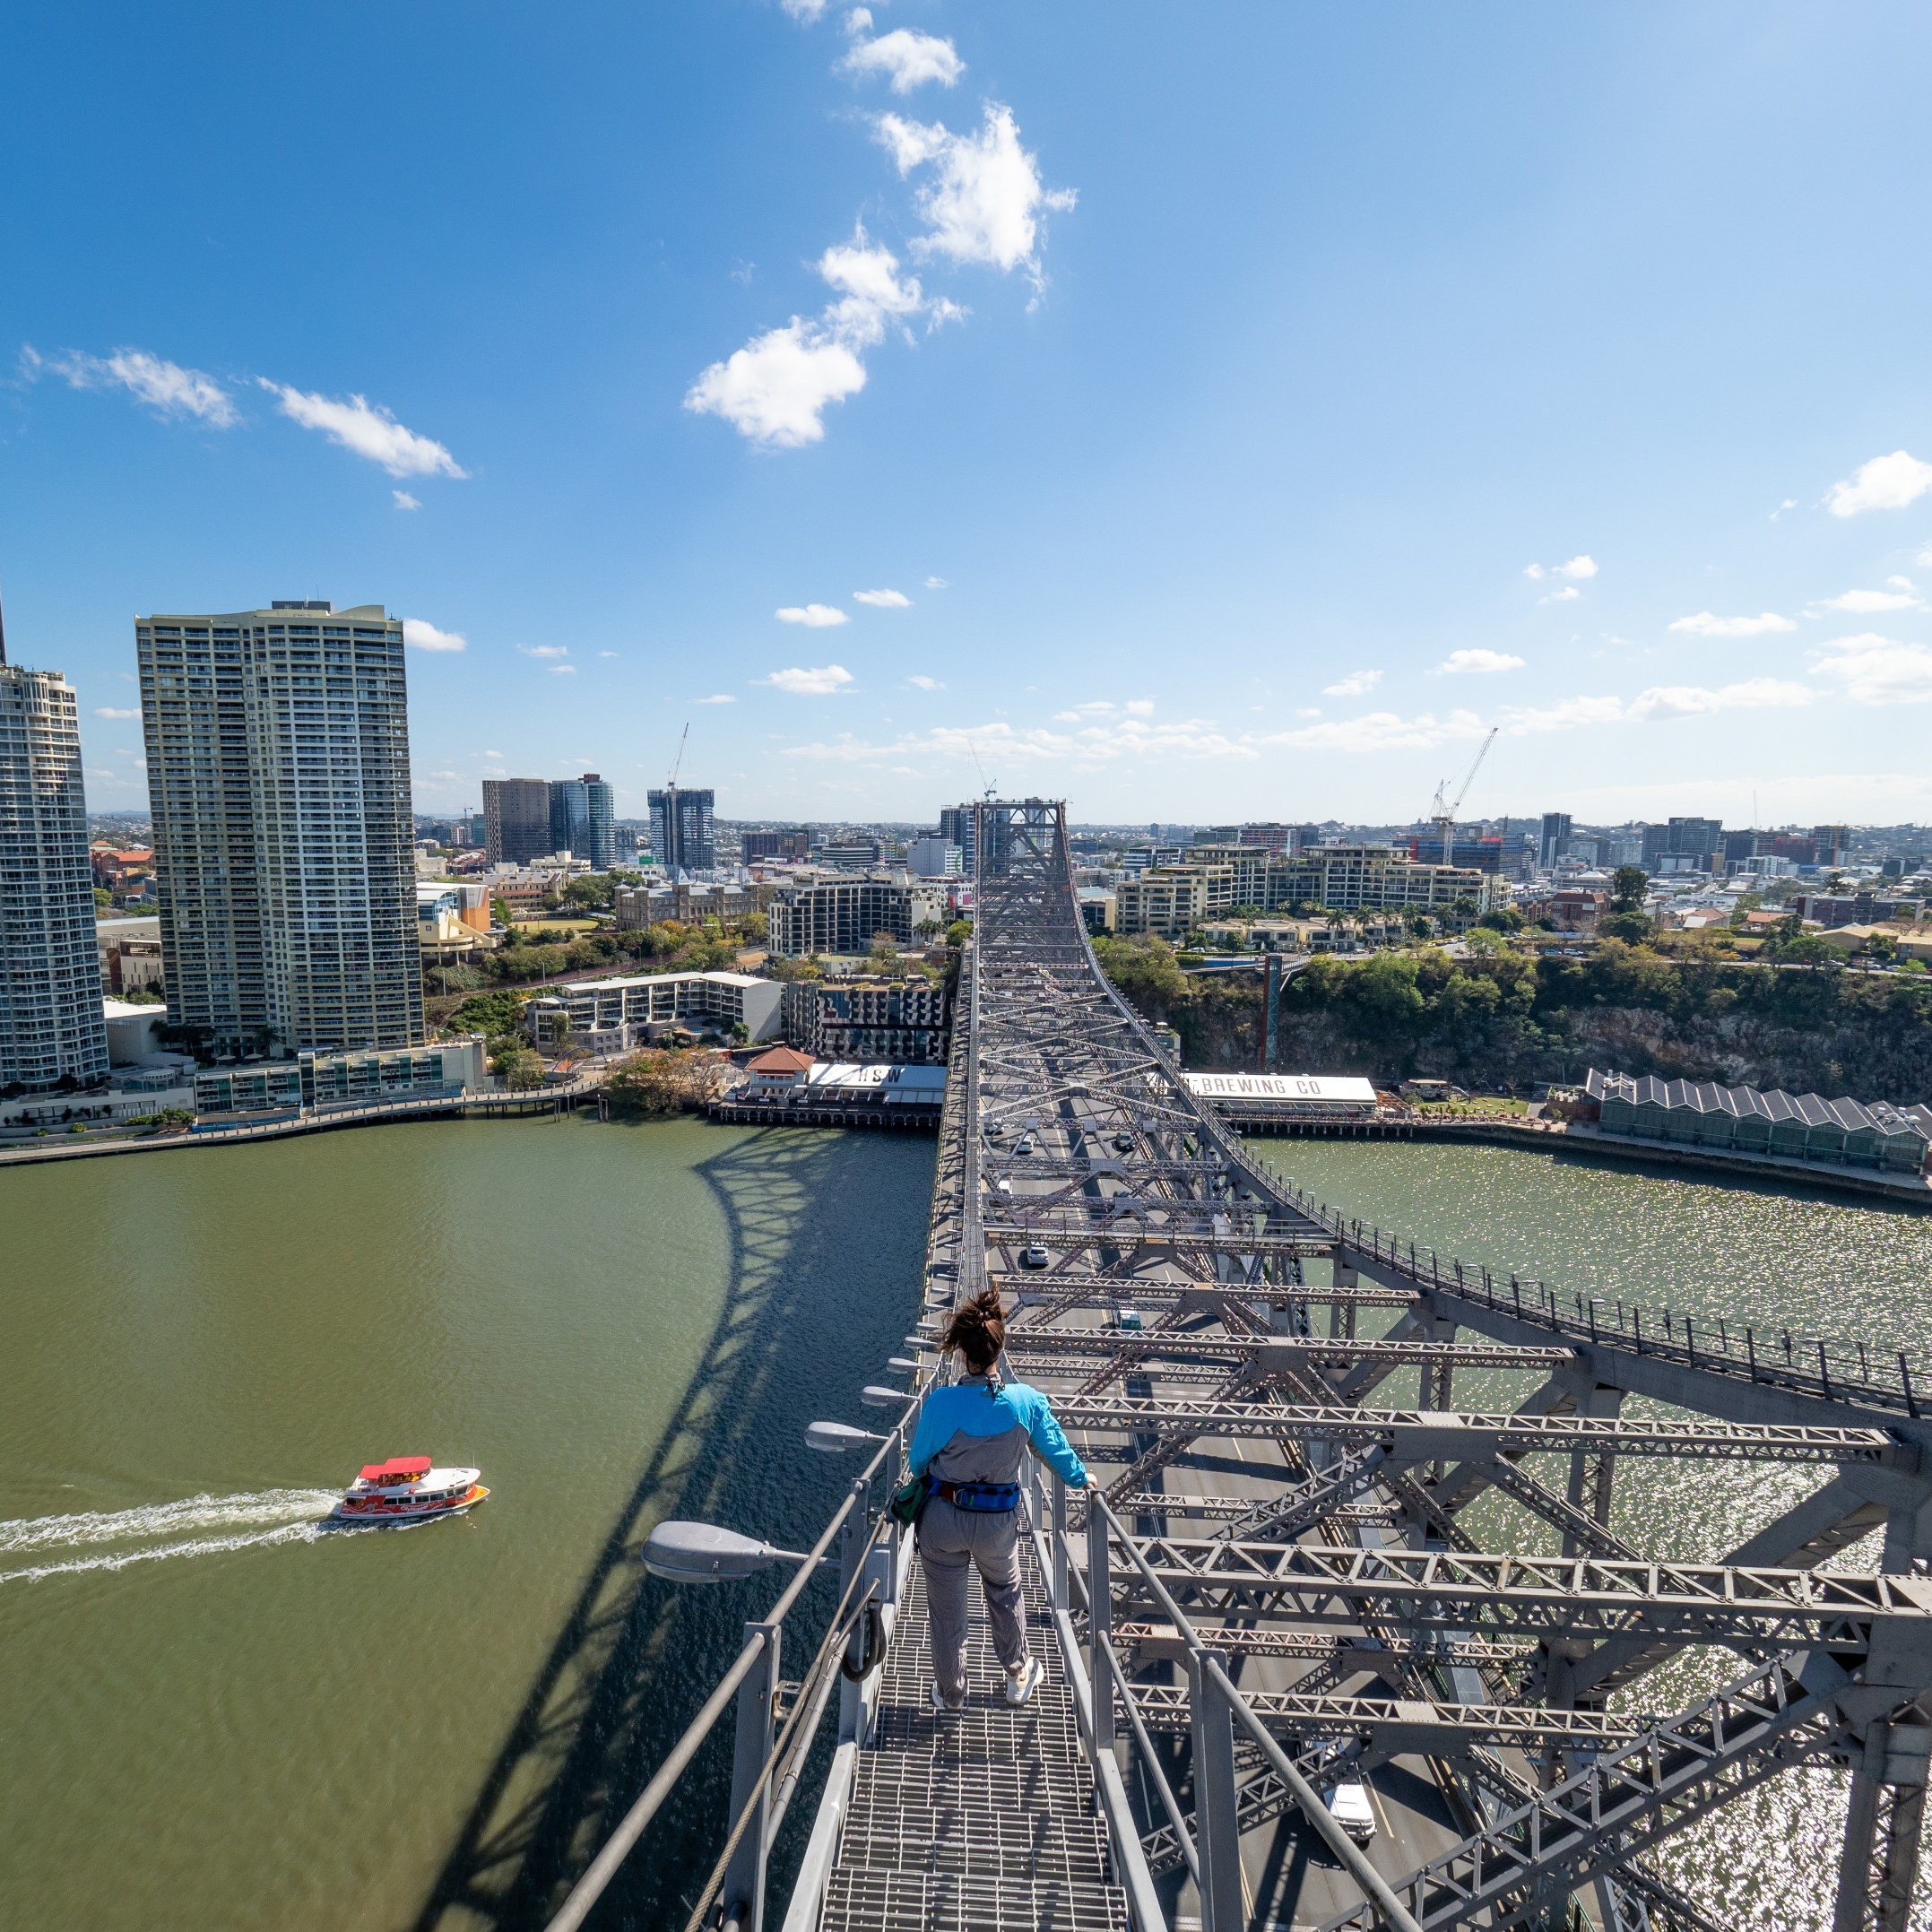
(844, 916)
(1553, 840)
(795, 845)
(1683, 845)
(1270, 837)
(935, 858)
(850, 854)
(278, 771)
(53, 1033)
(517, 820)
(582, 820)
(956, 828)
(681, 828)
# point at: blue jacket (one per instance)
(978, 1407)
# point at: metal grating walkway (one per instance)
(979, 1822)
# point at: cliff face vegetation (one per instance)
(1506, 1017)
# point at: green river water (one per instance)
(212, 1717)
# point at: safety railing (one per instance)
(777, 1723)
(1832, 1368)
(1210, 1841)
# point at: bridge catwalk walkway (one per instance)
(980, 1823)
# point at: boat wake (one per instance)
(117, 1540)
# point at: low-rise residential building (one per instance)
(844, 916)
(332, 1079)
(611, 1016)
(870, 1019)
(130, 953)
(1172, 900)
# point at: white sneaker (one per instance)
(1021, 1683)
(942, 1707)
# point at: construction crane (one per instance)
(1444, 813)
(677, 764)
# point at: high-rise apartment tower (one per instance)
(680, 828)
(582, 821)
(52, 1031)
(1553, 840)
(517, 820)
(278, 772)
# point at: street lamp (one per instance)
(876, 1395)
(834, 1438)
(702, 1553)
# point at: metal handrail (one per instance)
(618, 1846)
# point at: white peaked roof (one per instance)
(1329, 1087)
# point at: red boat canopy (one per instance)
(404, 1469)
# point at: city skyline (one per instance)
(867, 396)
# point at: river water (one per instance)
(212, 1715)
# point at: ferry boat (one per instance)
(408, 1489)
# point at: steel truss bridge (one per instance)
(1277, 1582)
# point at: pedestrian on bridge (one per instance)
(972, 1436)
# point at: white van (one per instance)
(1353, 1812)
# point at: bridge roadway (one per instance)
(1283, 1589)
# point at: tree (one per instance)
(1462, 908)
(1629, 884)
(1631, 927)
(499, 913)
(657, 1081)
(592, 891)
(959, 932)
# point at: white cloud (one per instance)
(821, 681)
(905, 58)
(108, 711)
(564, 671)
(166, 387)
(366, 430)
(920, 682)
(1689, 701)
(1534, 572)
(1139, 708)
(1885, 483)
(883, 600)
(812, 616)
(1580, 569)
(1790, 503)
(718, 698)
(1902, 584)
(545, 650)
(1380, 731)
(1869, 602)
(1356, 684)
(1309, 711)
(1565, 715)
(1481, 663)
(935, 583)
(984, 201)
(805, 11)
(425, 636)
(1569, 594)
(1705, 624)
(1877, 671)
(1097, 745)
(607, 654)
(405, 501)
(776, 388)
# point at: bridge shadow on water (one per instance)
(827, 1235)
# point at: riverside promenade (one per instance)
(553, 1100)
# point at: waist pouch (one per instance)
(990, 1499)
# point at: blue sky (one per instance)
(1228, 412)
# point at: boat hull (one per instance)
(377, 1515)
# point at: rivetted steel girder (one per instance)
(1130, 1231)
(1422, 1435)
(1232, 1639)
(1395, 1725)
(1627, 1800)
(1584, 1598)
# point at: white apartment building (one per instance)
(51, 1027)
(611, 1016)
(842, 915)
(278, 768)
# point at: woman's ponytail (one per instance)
(977, 1330)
